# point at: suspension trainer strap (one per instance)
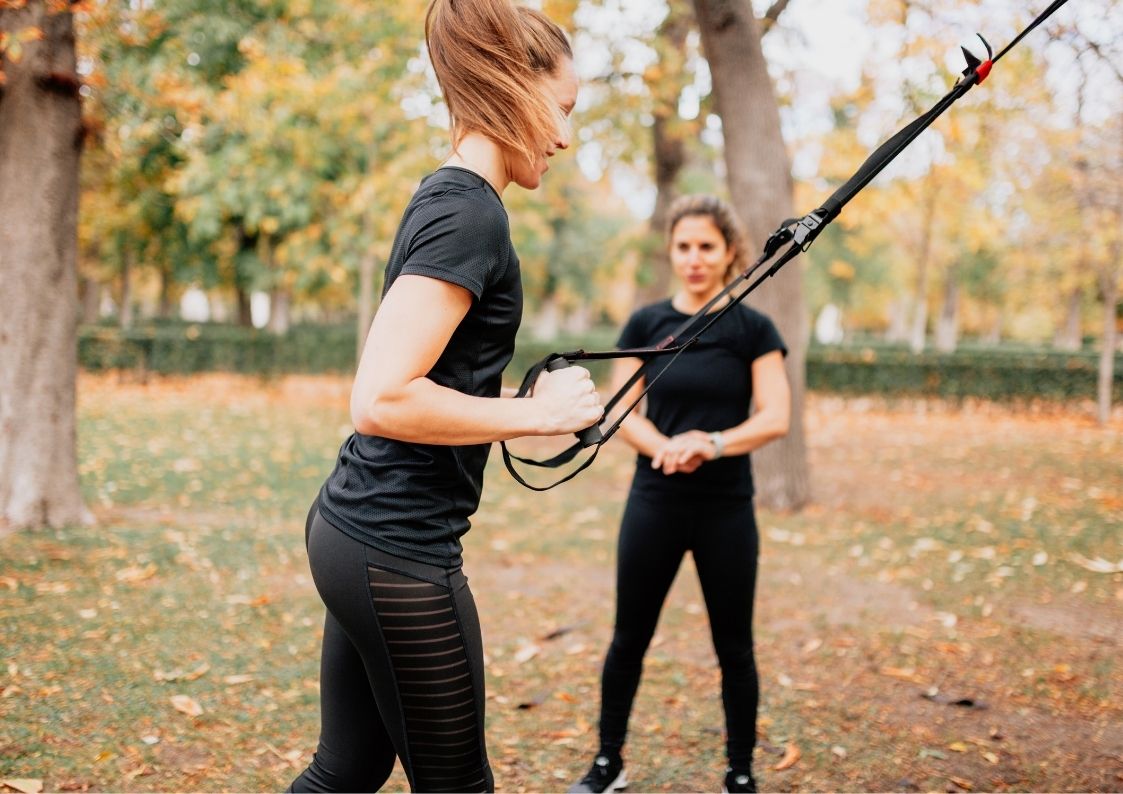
(800, 233)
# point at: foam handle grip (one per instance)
(590, 436)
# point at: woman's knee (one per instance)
(334, 772)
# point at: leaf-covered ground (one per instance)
(948, 616)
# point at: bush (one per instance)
(991, 373)
(996, 373)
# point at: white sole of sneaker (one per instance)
(621, 782)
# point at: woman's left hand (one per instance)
(684, 453)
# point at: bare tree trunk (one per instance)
(125, 305)
(669, 148)
(40, 143)
(670, 154)
(164, 308)
(367, 265)
(1106, 379)
(760, 182)
(994, 334)
(547, 322)
(280, 311)
(91, 300)
(919, 331)
(898, 330)
(245, 312)
(1069, 336)
(947, 326)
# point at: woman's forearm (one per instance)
(641, 435)
(755, 432)
(424, 412)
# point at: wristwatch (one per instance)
(719, 443)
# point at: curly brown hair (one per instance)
(723, 217)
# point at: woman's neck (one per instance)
(689, 303)
(481, 155)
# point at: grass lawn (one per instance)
(953, 556)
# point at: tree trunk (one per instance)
(40, 143)
(547, 323)
(669, 148)
(670, 155)
(91, 300)
(1069, 336)
(898, 330)
(164, 308)
(367, 266)
(947, 326)
(993, 335)
(920, 298)
(280, 311)
(245, 311)
(760, 183)
(125, 305)
(1106, 379)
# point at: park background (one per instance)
(196, 202)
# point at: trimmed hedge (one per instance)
(994, 373)
(991, 373)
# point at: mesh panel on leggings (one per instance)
(443, 726)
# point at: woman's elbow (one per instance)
(369, 414)
(780, 426)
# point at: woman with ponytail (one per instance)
(693, 488)
(402, 660)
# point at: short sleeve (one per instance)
(764, 338)
(460, 240)
(635, 332)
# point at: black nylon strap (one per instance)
(801, 233)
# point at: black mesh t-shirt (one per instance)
(414, 500)
(708, 388)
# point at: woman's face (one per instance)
(699, 255)
(560, 87)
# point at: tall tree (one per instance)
(760, 182)
(40, 141)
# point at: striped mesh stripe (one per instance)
(433, 674)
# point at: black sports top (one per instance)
(414, 500)
(708, 388)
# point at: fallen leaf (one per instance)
(242, 678)
(553, 635)
(839, 751)
(1097, 565)
(187, 705)
(25, 785)
(966, 785)
(137, 574)
(903, 673)
(990, 757)
(958, 747)
(526, 653)
(790, 759)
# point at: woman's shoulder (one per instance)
(753, 318)
(460, 197)
(656, 310)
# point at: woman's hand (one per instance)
(567, 401)
(684, 453)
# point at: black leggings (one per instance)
(657, 530)
(401, 674)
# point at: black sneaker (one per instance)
(738, 781)
(604, 775)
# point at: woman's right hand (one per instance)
(567, 401)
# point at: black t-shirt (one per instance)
(708, 388)
(414, 500)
